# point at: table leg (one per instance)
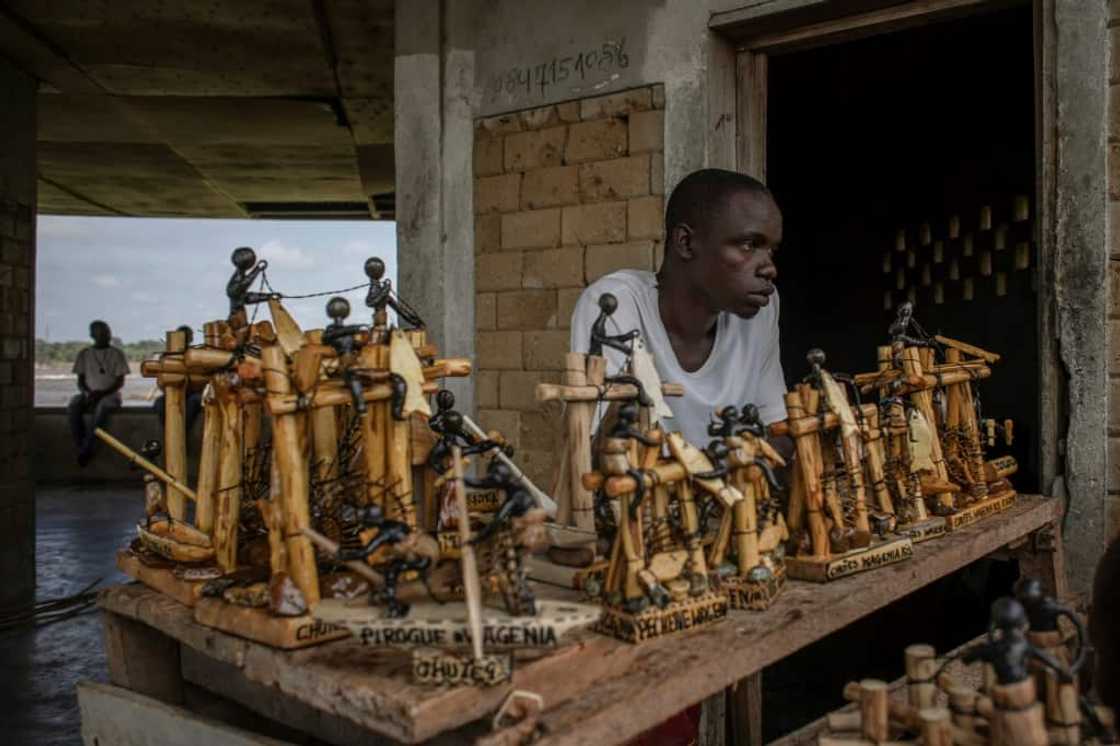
(142, 659)
(1042, 556)
(744, 709)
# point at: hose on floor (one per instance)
(49, 611)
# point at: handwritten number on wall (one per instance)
(535, 81)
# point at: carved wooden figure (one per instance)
(830, 541)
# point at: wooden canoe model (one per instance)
(176, 541)
(446, 626)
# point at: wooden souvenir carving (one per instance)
(575, 560)
(753, 530)
(936, 442)
(828, 514)
(1029, 695)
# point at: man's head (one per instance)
(100, 333)
(721, 231)
(188, 333)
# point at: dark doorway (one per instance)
(863, 139)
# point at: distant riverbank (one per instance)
(55, 385)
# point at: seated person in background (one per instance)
(709, 317)
(101, 370)
(193, 398)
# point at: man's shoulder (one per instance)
(621, 283)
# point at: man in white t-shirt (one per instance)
(101, 370)
(709, 316)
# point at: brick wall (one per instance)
(563, 195)
(17, 283)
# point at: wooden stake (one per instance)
(471, 587)
(208, 464)
(331, 548)
(874, 721)
(375, 427)
(229, 480)
(175, 430)
(577, 416)
(144, 463)
(936, 728)
(808, 465)
(289, 448)
(921, 665)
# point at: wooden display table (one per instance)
(596, 689)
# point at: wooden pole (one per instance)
(874, 717)
(808, 465)
(208, 464)
(229, 479)
(331, 548)
(744, 515)
(175, 429)
(1017, 718)
(577, 416)
(272, 511)
(921, 665)
(374, 424)
(471, 587)
(873, 447)
(144, 463)
(923, 400)
(289, 448)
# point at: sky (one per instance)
(145, 276)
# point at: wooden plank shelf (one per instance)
(596, 689)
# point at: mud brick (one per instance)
(498, 350)
(568, 111)
(602, 260)
(505, 421)
(597, 140)
(657, 174)
(539, 465)
(531, 229)
(487, 232)
(541, 431)
(497, 193)
(553, 268)
(486, 389)
(498, 271)
(549, 187)
(485, 311)
(544, 350)
(603, 222)
(566, 299)
(637, 99)
(647, 131)
(645, 218)
(615, 179)
(502, 124)
(488, 156)
(527, 150)
(518, 389)
(527, 309)
(535, 119)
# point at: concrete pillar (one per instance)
(17, 340)
(433, 137)
(1079, 76)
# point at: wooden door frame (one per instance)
(1073, 374)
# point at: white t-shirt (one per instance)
(744, 366)
(101, 367)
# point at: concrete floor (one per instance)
(78, 531)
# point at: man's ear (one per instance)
(680, 241)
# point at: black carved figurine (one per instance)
(380, 295)
(342, 337)
(1007, 648)
(608, 304)
(448, 424)
(409, 550)
(246, 270)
